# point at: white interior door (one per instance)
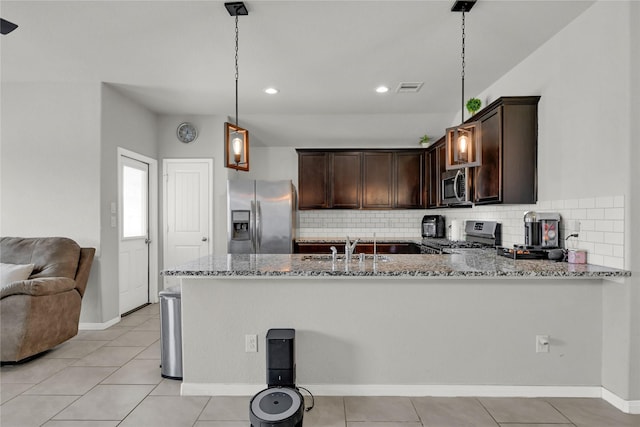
(134, 234)
(188, 211)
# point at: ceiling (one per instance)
(325, 57)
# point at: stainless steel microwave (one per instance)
(455, 187)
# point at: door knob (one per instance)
(204, 239)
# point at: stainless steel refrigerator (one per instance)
(260, 216)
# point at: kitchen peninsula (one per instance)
(410, 325)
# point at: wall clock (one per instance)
(187, 132)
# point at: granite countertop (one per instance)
(469, 263)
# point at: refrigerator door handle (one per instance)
(252, 231)
(258, 226)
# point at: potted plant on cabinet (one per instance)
(473, 105)
(425, 140)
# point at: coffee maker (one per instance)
(433, 226)
(542, 230)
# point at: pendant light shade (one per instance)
(236, 149)
(464, 141)
(463, 149)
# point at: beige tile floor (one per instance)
(112, 378)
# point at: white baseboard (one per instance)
(98, 326)
(626, 406)
(217, 389)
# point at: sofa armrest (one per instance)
(39, 287)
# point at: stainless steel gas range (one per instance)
(479, 235)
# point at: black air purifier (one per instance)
(281, 404)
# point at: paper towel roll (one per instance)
(456, 230)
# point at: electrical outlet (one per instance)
(251, 343)
(573, 227)
(542, 343)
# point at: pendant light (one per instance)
(236, 138)
(463, 142)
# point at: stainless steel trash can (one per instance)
(171, 333)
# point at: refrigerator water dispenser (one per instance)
(240, 225)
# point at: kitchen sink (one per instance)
(341, 258)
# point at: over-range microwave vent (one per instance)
(409, 87)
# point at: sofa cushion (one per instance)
(51, 256)
(39, 287)
(10, 273)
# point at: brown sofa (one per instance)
(44, 310)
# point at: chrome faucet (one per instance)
(334, 253)
(349, 248)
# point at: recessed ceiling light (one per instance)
(271, 90)
(382, 89)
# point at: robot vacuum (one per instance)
(277, 406)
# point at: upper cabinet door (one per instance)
(377, 180)
(488, 177)
(313, 180)
(409, 183)
(435, 168)
(508, 173)
(346, 180)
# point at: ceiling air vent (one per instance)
(409, 87)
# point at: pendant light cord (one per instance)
(236, 70)
(463, 64)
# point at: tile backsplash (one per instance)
(599, 223)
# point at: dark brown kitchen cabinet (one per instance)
(508, 173)
(345, 180)
(329, 180)
(361, 179)
(377, 180)
(435, 167)
(410, 189)
(313, 179)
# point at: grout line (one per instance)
(488, 412)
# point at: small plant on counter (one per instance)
(473, 105)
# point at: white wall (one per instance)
(633, 231)
(583, 76)
(209, 145)
(125, 124)
(51, 168)
(275, 163)
(51, 161)
(359, 334)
